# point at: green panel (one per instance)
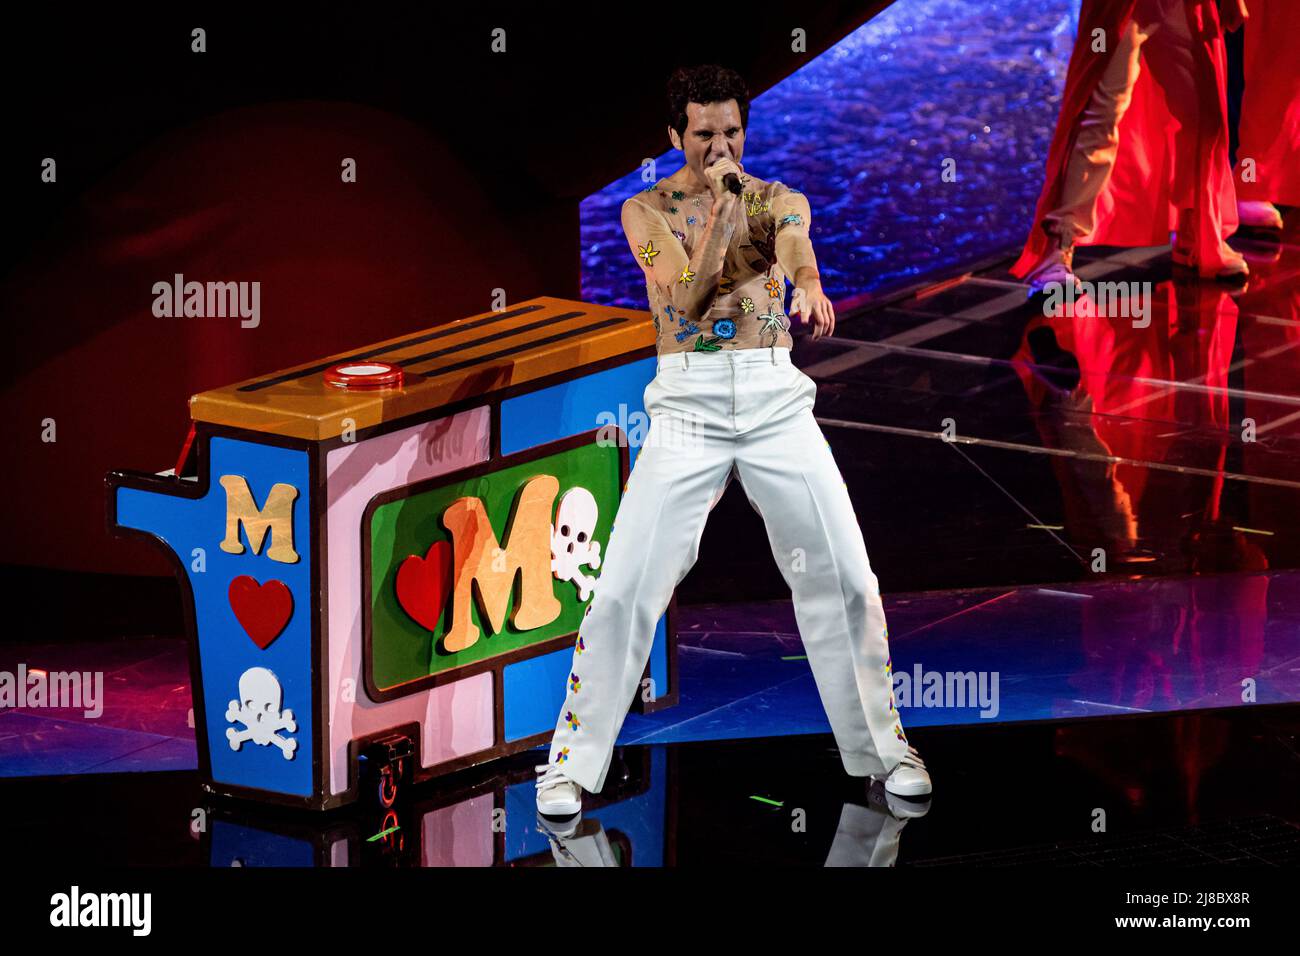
(402, 649)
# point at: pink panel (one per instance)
(457, 717)
(459, 835)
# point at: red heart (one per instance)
(423, 584)
(263, 609)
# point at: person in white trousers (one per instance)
(727, 399)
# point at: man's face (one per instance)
(713, 132)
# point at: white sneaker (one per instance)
(1057, 267)
(909, 778)
(1261, 215)
(557, 795)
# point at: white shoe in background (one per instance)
(1260, 215)
(1056, 267)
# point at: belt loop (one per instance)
(773, 353)
(686, 360)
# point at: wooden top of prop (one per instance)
(467, 358)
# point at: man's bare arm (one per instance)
(688, 283)
(794, 249)
(794, 253)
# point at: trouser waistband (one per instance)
(769, 355)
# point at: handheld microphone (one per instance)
(732, 182)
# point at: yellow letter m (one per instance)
(484, 569)
(276, 518)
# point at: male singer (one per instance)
(716, 245)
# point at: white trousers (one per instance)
(750, 409)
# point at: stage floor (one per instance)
(995, 454)
(1036, 653)
(1185, 789)
(1147, 727)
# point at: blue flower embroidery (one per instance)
(724, 329)
(690, 220)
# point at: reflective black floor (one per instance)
(1171, 441)
(1206, 788)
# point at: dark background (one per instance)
(225, 166)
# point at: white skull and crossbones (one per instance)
(260, 713)
(571, 542)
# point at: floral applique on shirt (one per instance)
(740, 306)
(774, 323)
(648, 252)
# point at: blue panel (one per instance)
(535, 690)
(225, 649)
(613, 396)
(659, 658)
(641, 818)
(252, 847)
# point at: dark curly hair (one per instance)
(704, 84)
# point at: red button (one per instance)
(364, 375)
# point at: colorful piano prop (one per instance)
(385, 555)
